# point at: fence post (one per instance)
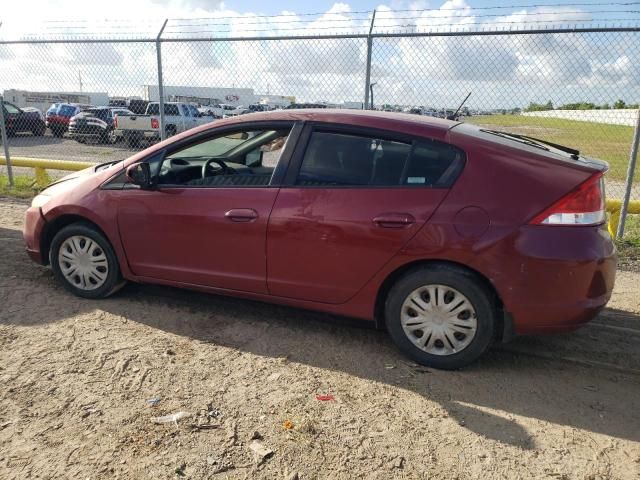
(163, 134)
(629, 183)
(5, 144)
(367, 80)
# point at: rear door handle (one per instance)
(394, 220)
(241, 215)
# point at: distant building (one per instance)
(277, 101)
(352, 105)
(43, 100)
(201, 95)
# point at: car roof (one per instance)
(398, 122)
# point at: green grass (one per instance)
(600, 140)
(23, 186)
(629, 246)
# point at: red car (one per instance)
(449, 235)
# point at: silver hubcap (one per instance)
(439, 319)
(83, 262)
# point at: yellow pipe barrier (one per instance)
(613, 207)
(41, 166)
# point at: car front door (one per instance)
(206, 229)
(352, 199)
(15, 119)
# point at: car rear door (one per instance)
(351, 200)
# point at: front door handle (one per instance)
(241, 215)
(394, 220)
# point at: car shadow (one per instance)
(529, 377)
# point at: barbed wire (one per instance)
(354, 21)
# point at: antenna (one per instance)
(455, 115)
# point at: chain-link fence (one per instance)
(576, 87)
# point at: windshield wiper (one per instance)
(521, 138)
(102, 166)
(575, 154)
(571, 151)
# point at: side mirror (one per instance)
(140, 174)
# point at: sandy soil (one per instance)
(77, 378)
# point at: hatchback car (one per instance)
(59, 116)
(449, 235)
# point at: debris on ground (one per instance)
(260, 452)
(325, 398)
(153, 401)
(180, 470)
(171, 418)
(287, 425)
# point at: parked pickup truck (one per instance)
(178, 117)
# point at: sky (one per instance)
(501, 71)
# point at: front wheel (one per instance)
(441, 316)
(84, 262)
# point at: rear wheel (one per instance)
(441, 316)
(38, 130)
(132, 139)
(84, 262)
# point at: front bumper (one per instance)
(34, 224)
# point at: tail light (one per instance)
(115, 121)
(155, 123)
(584, 205)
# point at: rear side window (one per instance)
(338, 159)
(169, 109)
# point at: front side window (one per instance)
(246, 158)
(339, 159)
(11, 108)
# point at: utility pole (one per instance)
(371, 88)
(163, 134)
(367, 79)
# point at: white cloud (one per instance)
(435, 70)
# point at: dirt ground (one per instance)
(81, 381)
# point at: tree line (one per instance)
(618, 104)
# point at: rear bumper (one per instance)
(34, 223)
(556, 278)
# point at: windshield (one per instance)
(217, 147)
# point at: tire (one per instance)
(69, 239)
(39, 130)
(171, 131)
(133, 140)
(441, 289)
